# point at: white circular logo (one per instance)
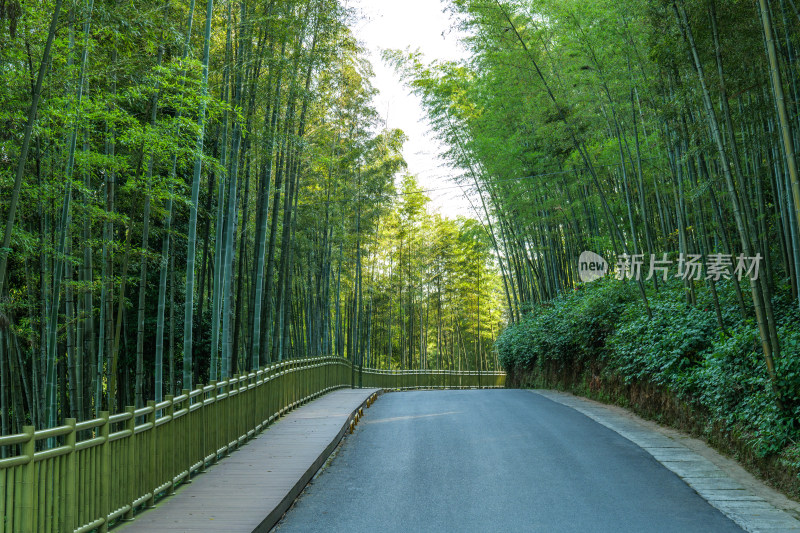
(591, 267)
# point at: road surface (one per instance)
(494, 460)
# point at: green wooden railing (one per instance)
(85, 476)
(430, 379)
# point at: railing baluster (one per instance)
(167, 458)
(214, 420)
(26, 508)
(152, 457)
(105, 472)
(132, 479)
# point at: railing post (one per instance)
(227, 422)
(187, 438)
(168, 458)
(252, 395)
(297, 369)
(293, 369)
(320, 383)
(150, 475)
(28, 479)
(270, 393)
(70, 495)
(233, 421)
(105, 472)
(308, 380)
(133, 483)
(199, 427)
(236, 411)
(205, 425)
(313, 385)
(285, 390)
(214, 422)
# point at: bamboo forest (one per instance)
(194, 190)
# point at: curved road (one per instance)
(494, 460)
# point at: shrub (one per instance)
(571, 328)
(664, 350)
(681, 348)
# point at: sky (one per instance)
(423, 25)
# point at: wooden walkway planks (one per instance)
(251, 489)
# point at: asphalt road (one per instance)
(494, 460)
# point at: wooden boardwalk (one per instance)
(251, 489)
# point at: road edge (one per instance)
(719, 480)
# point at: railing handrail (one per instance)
(263, 374)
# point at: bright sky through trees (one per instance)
(423, 25)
